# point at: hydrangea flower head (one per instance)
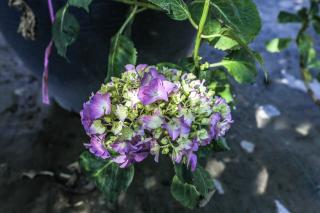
(151, 111)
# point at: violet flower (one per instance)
(131, 151)
(152, 92)
(98, 106)
(188, 152)
(96, 146)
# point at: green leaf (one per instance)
(202, 181)
(122, 52)
(84, 4)
(218, 82)
(241, 66)
(176, 9)
(109, 178)
(185, 193)
(316, 24)
(307, 50)
(168, 65)
(65, 30)
(212, 25)
(220, 145)
(240, 15)
(278, 44)
(183, 173)
(187, 64)
(286, 17)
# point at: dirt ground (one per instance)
(284, 166)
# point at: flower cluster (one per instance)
(149, 111)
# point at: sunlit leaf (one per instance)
(241, 66)
(176, 9)
(278, 44)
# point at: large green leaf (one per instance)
(185, 193)
(241, 66)
(176, 9)
(190, 188)
(65, 30)
(240, 15)
(84, 4)
(202, 181)
(109, 178)
(278, 44)
(122, 52)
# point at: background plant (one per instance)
(226, 25)
(309, 64)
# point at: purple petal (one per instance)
(152, 92)
(169, 87)
(155, 74)
(192, 161)
(100, 105)
(173, 129)
(185, 126)
(121, 147)
(141, 67)
(120, 159)
(97, 148)
(130, 67)
(214, 120)
(140, 156)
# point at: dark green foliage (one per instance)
(108, 176)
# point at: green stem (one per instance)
(140, 4)
(199, 33)
(304, 71)
(219, 64)
(127, 21)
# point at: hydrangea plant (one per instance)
(154, 111)
(176, 110)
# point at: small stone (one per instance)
(262, 181)
(215, 167)
(218, 186)
(280, 207)
(247, 146)
(265, 113)
(303, 129)
(315, 87)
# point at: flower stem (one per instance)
(199, 33)
(127, 21)
(140, 4)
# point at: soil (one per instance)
(38, 144)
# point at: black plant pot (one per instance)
(156, 37)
